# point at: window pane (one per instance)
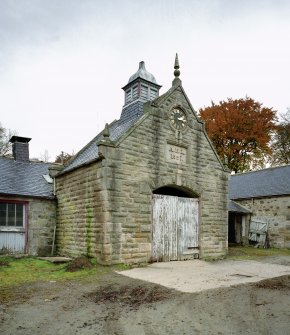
(11, 214)
(19, 215)
(3, 214)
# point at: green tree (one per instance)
(241, 131)
(281, 141)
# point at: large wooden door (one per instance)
(175, 228)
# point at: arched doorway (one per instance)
(175, 220)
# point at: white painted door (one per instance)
(175, 227)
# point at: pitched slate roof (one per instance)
(261, 183)
(89, 153)
(234, 207)
(24, 178)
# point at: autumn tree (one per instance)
(240, 130)
(63, 157)
(5, 145)
(281, 141)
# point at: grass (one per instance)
(28, 269)
(16, 272)
(243, 253)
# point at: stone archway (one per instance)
(175, 224)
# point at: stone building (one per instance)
(150, 187)
(238, 224)
(262, 199)
(27, 203)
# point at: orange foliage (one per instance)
(240, 131)
(63, 158)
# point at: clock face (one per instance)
(178, 119)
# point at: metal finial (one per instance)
(176, 67)
(106, 132)
(142, 65)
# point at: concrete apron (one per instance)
(198, 275)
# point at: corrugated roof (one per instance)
(261, 183)
(129, 117)
(24, 178)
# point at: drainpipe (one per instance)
(54, 169)
(54, 186)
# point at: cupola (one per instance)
(141, 86)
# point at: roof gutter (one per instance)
(27, 196)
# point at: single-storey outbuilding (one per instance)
(27, 203)
(262, 201)
(150, 187)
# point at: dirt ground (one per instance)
(116, 304)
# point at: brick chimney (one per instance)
(20, 148)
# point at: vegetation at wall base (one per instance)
(250, 252)
(15, 273)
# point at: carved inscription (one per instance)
(176, 154)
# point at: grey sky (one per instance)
(63, 62)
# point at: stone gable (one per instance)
(105, 209)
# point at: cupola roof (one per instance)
(143, 74)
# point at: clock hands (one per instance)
(178, 119)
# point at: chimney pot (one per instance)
(20, 148)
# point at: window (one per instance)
(12, 214)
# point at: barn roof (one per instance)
(131, 113)
(262, 183)
(117, 128)
(25, 178)
(236, 208)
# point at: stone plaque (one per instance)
(176, 154)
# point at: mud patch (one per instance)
(279, 283)
(4, 263)
(79, 263)
(130, 296)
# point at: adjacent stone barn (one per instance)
(150, 187)
(263, 198)
(27, 203)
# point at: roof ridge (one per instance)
(86, 146)
(11, 159)
(256, 171)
